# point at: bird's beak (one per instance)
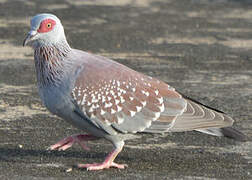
(30, 36)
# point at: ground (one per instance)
(202, 48)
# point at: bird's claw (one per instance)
(69, 141)
(100, 166)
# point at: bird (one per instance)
(106, 99)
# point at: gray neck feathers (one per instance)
(51, 63)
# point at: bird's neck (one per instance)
(50, 63)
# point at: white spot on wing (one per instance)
(102, 112)
(113, 111)
(132, 113)
(162, 108)
(143, 103)
(138, 108)
(117, 101)
(107, 122)
(120, 120)
(119, 108)
(161, 100)
(157, 115)
(122, 99)
(107, 105)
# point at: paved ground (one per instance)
(203, 48)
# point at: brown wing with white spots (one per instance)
(125, 99)
(132, 102)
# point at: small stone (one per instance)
(69, 170)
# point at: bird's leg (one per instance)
(108, 162)
(70, 140)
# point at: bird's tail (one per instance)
(228, 132)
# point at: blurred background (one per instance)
(201, 47)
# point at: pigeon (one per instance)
(108, 100)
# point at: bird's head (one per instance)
(46, 29)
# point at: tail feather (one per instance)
(228, 132)
(232, 133)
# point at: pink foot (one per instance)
(100, 166)
(108, 162)
(70, 140)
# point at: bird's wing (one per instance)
(130, 102)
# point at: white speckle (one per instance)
(112, 92)
(113, 111)
(107, 122)
(127, 86)
(118, 83)
(124, 82)
(123, 91)
(88, 103)
(83, 101)
(103, 99)
(133, 89)
(120, 120)
(107, 105)
(117, 101)
(102, 112)
(131, 98)
(156, 92)
(132, 113)
(91, 110)
(119, 108)
(143, 103)
(94, 100)
(148, 124)
(122, 99)
(142, 79)
(93, 106)
(109, 98)
(92, 116)
(138, 108)
(130, 83)
(162, 108)
(149, 84)
(78, 102)
(119, 94)
(145, 93)
(106, 92)
(157, 115)
(141, 129)
(161, 100)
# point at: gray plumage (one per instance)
(109, 100)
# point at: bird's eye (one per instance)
(46, 25)
(49, 25)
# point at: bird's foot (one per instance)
(100, 166)
(70, 140)
(107, 163)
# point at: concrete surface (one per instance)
(201, 47)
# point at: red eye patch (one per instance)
(46, 25)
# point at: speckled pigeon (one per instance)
(108, 100)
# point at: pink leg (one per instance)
(70, 140)
(107, 163)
